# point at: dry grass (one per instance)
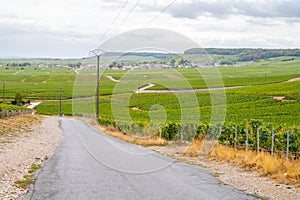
(151, 141)
(279, 168)
(11, 126)
(194, 148)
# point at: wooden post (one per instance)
(257, 140)
(220, 133)
(60, 102)
(235, 138)
(226, 142)
(247, 139)
(3, 92)
(287, 144)
(181, 134)
(272, 147)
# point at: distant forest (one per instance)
(246, 54)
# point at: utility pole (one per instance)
(97, 53)
(3, 92)
(266, 78)
(60, 98)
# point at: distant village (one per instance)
(122, 66)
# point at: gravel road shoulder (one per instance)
(249, 181)
(20, 150)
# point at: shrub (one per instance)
(18, 99)
(169, 131)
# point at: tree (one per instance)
(18, 99)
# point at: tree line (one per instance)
(246, 54)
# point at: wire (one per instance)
(124, 20)
(162, 11)
(132, 9)
(113, 22)
(149, 22)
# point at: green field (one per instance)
(261, 81)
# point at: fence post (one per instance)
(60, 101)
(235, 138)
(220, 133)
(226, 142)
(3, 93)
(272, 146)
(247, 139)
(159, 132)
(287, 144)
(257, 140)
(181, 134)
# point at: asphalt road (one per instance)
(91, 165)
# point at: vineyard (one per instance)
(44, 83)
(263, 93)
(12, 110)
(253, 135)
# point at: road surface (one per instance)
(91, 165)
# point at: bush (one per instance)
(106, 122)
(169, 131)
(18, 99)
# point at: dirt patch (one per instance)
(12, 126)
(135, 108)
(172, 76)
(113, 79)
(293, 79)
(25, 142)
(281, 98)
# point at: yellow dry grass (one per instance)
(194, 148)
(151, 141)
(277, 167)
(11, 126)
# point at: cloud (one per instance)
(68, 28)
(220, 9)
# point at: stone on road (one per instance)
(91, 165)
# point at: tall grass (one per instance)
(276, 166)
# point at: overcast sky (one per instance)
(70, 28)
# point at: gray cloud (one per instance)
(70, 28)
(31, 41)
(220, 9)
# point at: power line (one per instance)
(150, 21)
(125, 19)
(131, 10)
(162, 11)
(114, 20)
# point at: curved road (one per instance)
(91, 165)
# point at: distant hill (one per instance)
(141, 54)
(246, 54)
